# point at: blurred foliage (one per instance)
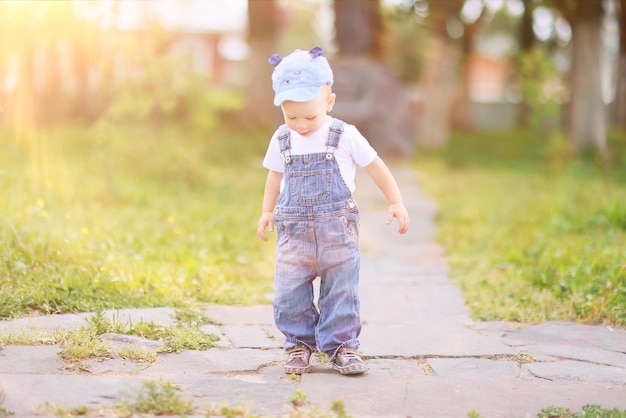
(542, 89)
(528, 241)
(161, 87)
(544, 93)
(404, 43)
(65, 66)
(301, 23)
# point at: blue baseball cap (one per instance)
(300, 75)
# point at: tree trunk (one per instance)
(440, 77)
(262, 33)
(368, 94)
(462, 114)
(620, 97)
(587, 122)
(527, 41)
(462, 117)
(358, 26)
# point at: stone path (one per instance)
(426, 356)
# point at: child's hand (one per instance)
(266, 221)
(398, 211)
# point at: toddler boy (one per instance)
(312, 161)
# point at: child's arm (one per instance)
(272, 189)
(379, 172)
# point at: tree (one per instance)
(358, 26)
(620, 97)
(440, 77)
(462, 112)
(262, 33)
(586, 124)
(527, 42)
(369, 95)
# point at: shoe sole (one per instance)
(360, 369)
(297, 370)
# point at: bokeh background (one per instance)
(131, 136)
(450, 64)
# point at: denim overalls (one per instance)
(317, 223)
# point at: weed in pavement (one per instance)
(63, 412)
(240, 410)
(82, 344)
(25, 337)
(138, 355)
(157, 398)
(298, 399)
(589, 411)
(4, 412)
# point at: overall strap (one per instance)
(334, 134)
(284, 142)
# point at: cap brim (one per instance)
(296, 95)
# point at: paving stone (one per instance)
(261, 394)
(43, 325)
(467, 368)
(27, 394)
(223, 341)
(241, 315)
(577, 352)
(250, 336)
(214, 360)
(131, 317)
(496, 329)
(413, 304)
(374, 268)
(578, 371)
(428, 340)
(113, 366)
(121, 342)
(569, 333)
(31, 360)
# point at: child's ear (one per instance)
(331, 102)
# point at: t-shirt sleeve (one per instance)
(273, 160)
(360, 149)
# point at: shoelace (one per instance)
(298, 353)
(350, 355)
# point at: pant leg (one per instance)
(339, 263)
(295, 314)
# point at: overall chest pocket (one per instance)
(310, 187)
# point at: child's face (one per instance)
(307, 117)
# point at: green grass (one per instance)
(163, 398)
(93, 219)
(158, 398)
(4, 412)
(86, 343)
(532, 233)
(588, 411)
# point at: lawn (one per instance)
(532, 233)
(139, 217)
(134, 217)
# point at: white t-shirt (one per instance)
(353, 149)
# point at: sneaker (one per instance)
(299, 360)
(348, 361)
